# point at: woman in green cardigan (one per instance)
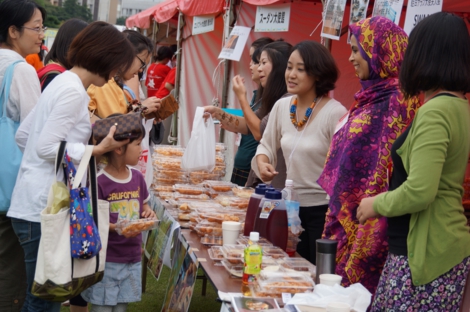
(429, 241)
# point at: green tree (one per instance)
(121, 21)
(73, 9)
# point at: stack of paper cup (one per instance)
(230, 232)
(330, 279)
(338, 307)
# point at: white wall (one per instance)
(131, 7)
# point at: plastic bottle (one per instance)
(272, 219)
(291, 199)
(253, 257)
(253, 205)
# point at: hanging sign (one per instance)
(358, 12)
(333, 19)
(235, 44)
(390, 9)
(418, 10)
(272, 18)
(203, 24)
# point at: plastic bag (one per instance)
(200, 152)
(60, 197)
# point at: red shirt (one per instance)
(155, 76)
(170, 78)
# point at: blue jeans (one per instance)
(29, 234)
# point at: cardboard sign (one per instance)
(235, 44)
(417, 10)
(272, 18)
(203, 24)
(333, 19)
(390, 9)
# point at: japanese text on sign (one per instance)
(203, 24)
(272, 18)
(417, 10)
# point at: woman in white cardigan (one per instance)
(303, 125)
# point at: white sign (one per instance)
(418, 10)
(235, 44)
(203, 24)
(358, 11)
(272, 18)
(390, 9)
(333, 19)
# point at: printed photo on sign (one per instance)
(417, 10)
(272, 18)
(333, 19)
(358, 12)
(235, 44)
(390, 9)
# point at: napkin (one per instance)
(356, 295)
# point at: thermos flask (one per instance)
(325, 257)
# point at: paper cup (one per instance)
(338, 307)
(330, 279)
(230, 232)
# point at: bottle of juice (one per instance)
(258, 209)
(253, 205)
(253, 256)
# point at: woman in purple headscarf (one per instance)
(359, 157)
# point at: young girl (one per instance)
(126, 191)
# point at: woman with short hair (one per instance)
(429, 257)
(96, 54)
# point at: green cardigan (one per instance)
(435, 156)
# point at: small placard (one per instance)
(235, 44)
(203, 24)
(201, 259)
(417, 10)
(390, 9)
(333, 19)
(286, 297)
(272, 18)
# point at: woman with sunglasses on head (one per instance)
(61, 114)
(111, 99)
(429, 256)
(21, 34)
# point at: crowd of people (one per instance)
(384, 178)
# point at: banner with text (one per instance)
(417, 10)
(272, 18)
(203, 24)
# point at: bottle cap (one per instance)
(326, 246)
(273, 194)
(261, 189)
(289, 182)
(254, 236)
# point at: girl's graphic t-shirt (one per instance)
(126, 200)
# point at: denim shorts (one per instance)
(121, 284)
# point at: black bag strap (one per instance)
(94, 199)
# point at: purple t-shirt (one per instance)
(125, 197)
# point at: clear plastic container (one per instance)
(298, 264)
(219, 186)
(169, 150)
(167, 163)
(243, 240)
(131, 227)
(215, 253)
(282, 282)
(208, 228)
(235, 270)
(159, 180)
(243, 192)
(188, 189)
(211, 240)
(163, 188)
(220, 147)
(178, 196)
(221, 217)
(233, 253)
(165, 195)
(232, 201)
(274, 252)
(197, 177)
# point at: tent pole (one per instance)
(229, 19)
(173, 138)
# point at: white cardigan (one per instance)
(61, 114)
(309, 156)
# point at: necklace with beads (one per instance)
(308, 113)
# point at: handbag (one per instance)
(128, 126)
(167, 107)
(10, 154)
(58, 276)
(84, 236)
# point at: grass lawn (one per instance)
(152, 299)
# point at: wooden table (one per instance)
(217, 275)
